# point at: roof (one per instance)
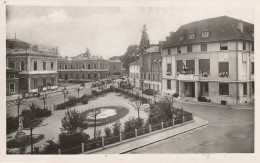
(222, 28)
(115, 58)
(137, 62)
(20, 51)
(153, 49)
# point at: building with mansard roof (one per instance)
(213, 58)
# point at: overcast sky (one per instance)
(107, 31)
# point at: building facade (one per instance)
(82, 69)
(213, 58)
(115, 67)
(38, 69)
(134, 74)
(150, 69)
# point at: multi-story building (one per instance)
(115, 67)
(38, 69)
(82, 68)
(150, 68)
(212, 58)
(134, 74)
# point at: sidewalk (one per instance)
(191, 101)
(138, 142)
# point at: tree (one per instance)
(137, 106)
(129, 56)
(65, 93)
(72, 123)
(18, 102)
(78, 90)
(133, 123)
(93, 114)
(145, 42)
(44, 98)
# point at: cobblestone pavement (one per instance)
(229, 131)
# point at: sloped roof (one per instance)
(19, 51)
(153, 49)
(220, 29)
(137, 62)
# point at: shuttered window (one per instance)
(204, 66)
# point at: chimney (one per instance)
(241, 27)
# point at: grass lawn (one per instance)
(120, 112)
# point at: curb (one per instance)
(132, 139)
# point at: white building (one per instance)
(134, 74)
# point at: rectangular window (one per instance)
(44, 82)
(169, 69)
(44, 65)
(169, 86)
(253, 87)
(206, 86)
(52, 81)
(66, 67)
(204, 47)
(11, 64)
(181, 38)
(71, 67)
(179, 49)
(60, 66)
(205, 34)
(52, 65)
(22, 66)
(89, 76)
(95, 76)
(223, 46)
(95, 66)
(252, 68)
(35, 85)
(88, 66)
(191, 36)
(77, 76)
(149, 77)
(190, 64)
(253, 46)
(12, 76)
(189, 48)
(223, 89)
(223, 69)
(12, 87)
(244, 45)
(153, 77)
(144, 76)
(169, 50)
(83, 66)
(179, 66)
(60, 76)
(204, 67)
(35, 66)
(244, 88)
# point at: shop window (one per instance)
(223, 46)
(44, 82)
(52, 81)
(204, 47)
(223, 89)
(169, 86)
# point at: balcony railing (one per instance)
(188, 77)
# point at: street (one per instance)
(229, 131)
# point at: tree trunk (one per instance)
(95, 127)
(31, 140)
(138, 113)
(18, 107)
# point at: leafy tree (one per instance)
(132, 124)
(129, 56)
(145, 42)
(108, 132)
(116, 128)
(137, 106)
(72, 123)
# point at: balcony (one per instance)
(188, 77)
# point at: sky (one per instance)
(108, 30)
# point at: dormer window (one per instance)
(181, 38)
(191, 36)
(205, 34)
